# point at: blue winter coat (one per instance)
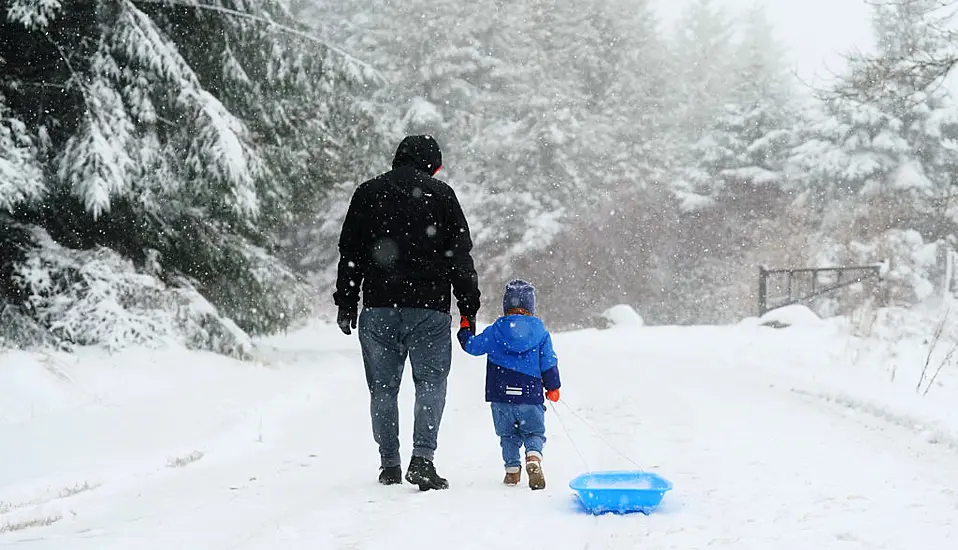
(521, 360)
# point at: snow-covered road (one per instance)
(183, 450)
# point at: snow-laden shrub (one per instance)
(909, 272)
(97, 297)
(20, 331)
(250, 286)
(912, 264)
(916, 345)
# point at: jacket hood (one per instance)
(421, 152)
(520, 333)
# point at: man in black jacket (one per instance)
(405, 242)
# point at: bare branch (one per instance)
(923, 67)
(945, 361)
(935, 339)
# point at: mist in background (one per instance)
(183, 171)
(819, 34)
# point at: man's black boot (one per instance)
(390, 475)
(422, 472)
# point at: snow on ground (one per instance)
(787, 438)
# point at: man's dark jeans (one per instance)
(387, 337)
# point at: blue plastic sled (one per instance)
(620, 492)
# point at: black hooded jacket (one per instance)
(405, 239)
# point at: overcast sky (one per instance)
(817, 32)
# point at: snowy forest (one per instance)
(178, 170)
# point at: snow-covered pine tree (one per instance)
(511, 90)
(543, 148)
(182, 135)
(21, 182)
(889, 142)
(643, 107)
(736, 171)
(541, 108)
(701, 64)
(21, 178)
(615, 244)
(879, 160)
(740, 159)
(915, 42)
(307, 107)
(441, 80)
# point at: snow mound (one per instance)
(789, 316)
(622, 315)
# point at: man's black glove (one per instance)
(346, 318)
(468, 322)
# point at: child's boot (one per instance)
(537, 479)
(513, 475)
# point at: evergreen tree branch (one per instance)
(60, 51)
(924, 66)
(278, 26)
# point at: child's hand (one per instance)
(464, 334)
(467, 323)
(553, 395)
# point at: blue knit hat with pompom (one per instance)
(519, 294)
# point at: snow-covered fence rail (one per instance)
(804, 283)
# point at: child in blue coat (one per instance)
(521, 364)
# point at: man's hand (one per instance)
(346, 318)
